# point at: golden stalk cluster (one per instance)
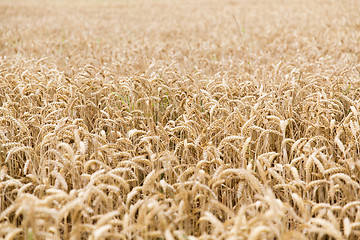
(180, 120)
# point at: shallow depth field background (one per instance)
(177, 119)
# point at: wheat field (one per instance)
(179, 119)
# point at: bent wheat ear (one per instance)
(13, 233)
(256, 232)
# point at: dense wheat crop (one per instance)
(177, 119)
